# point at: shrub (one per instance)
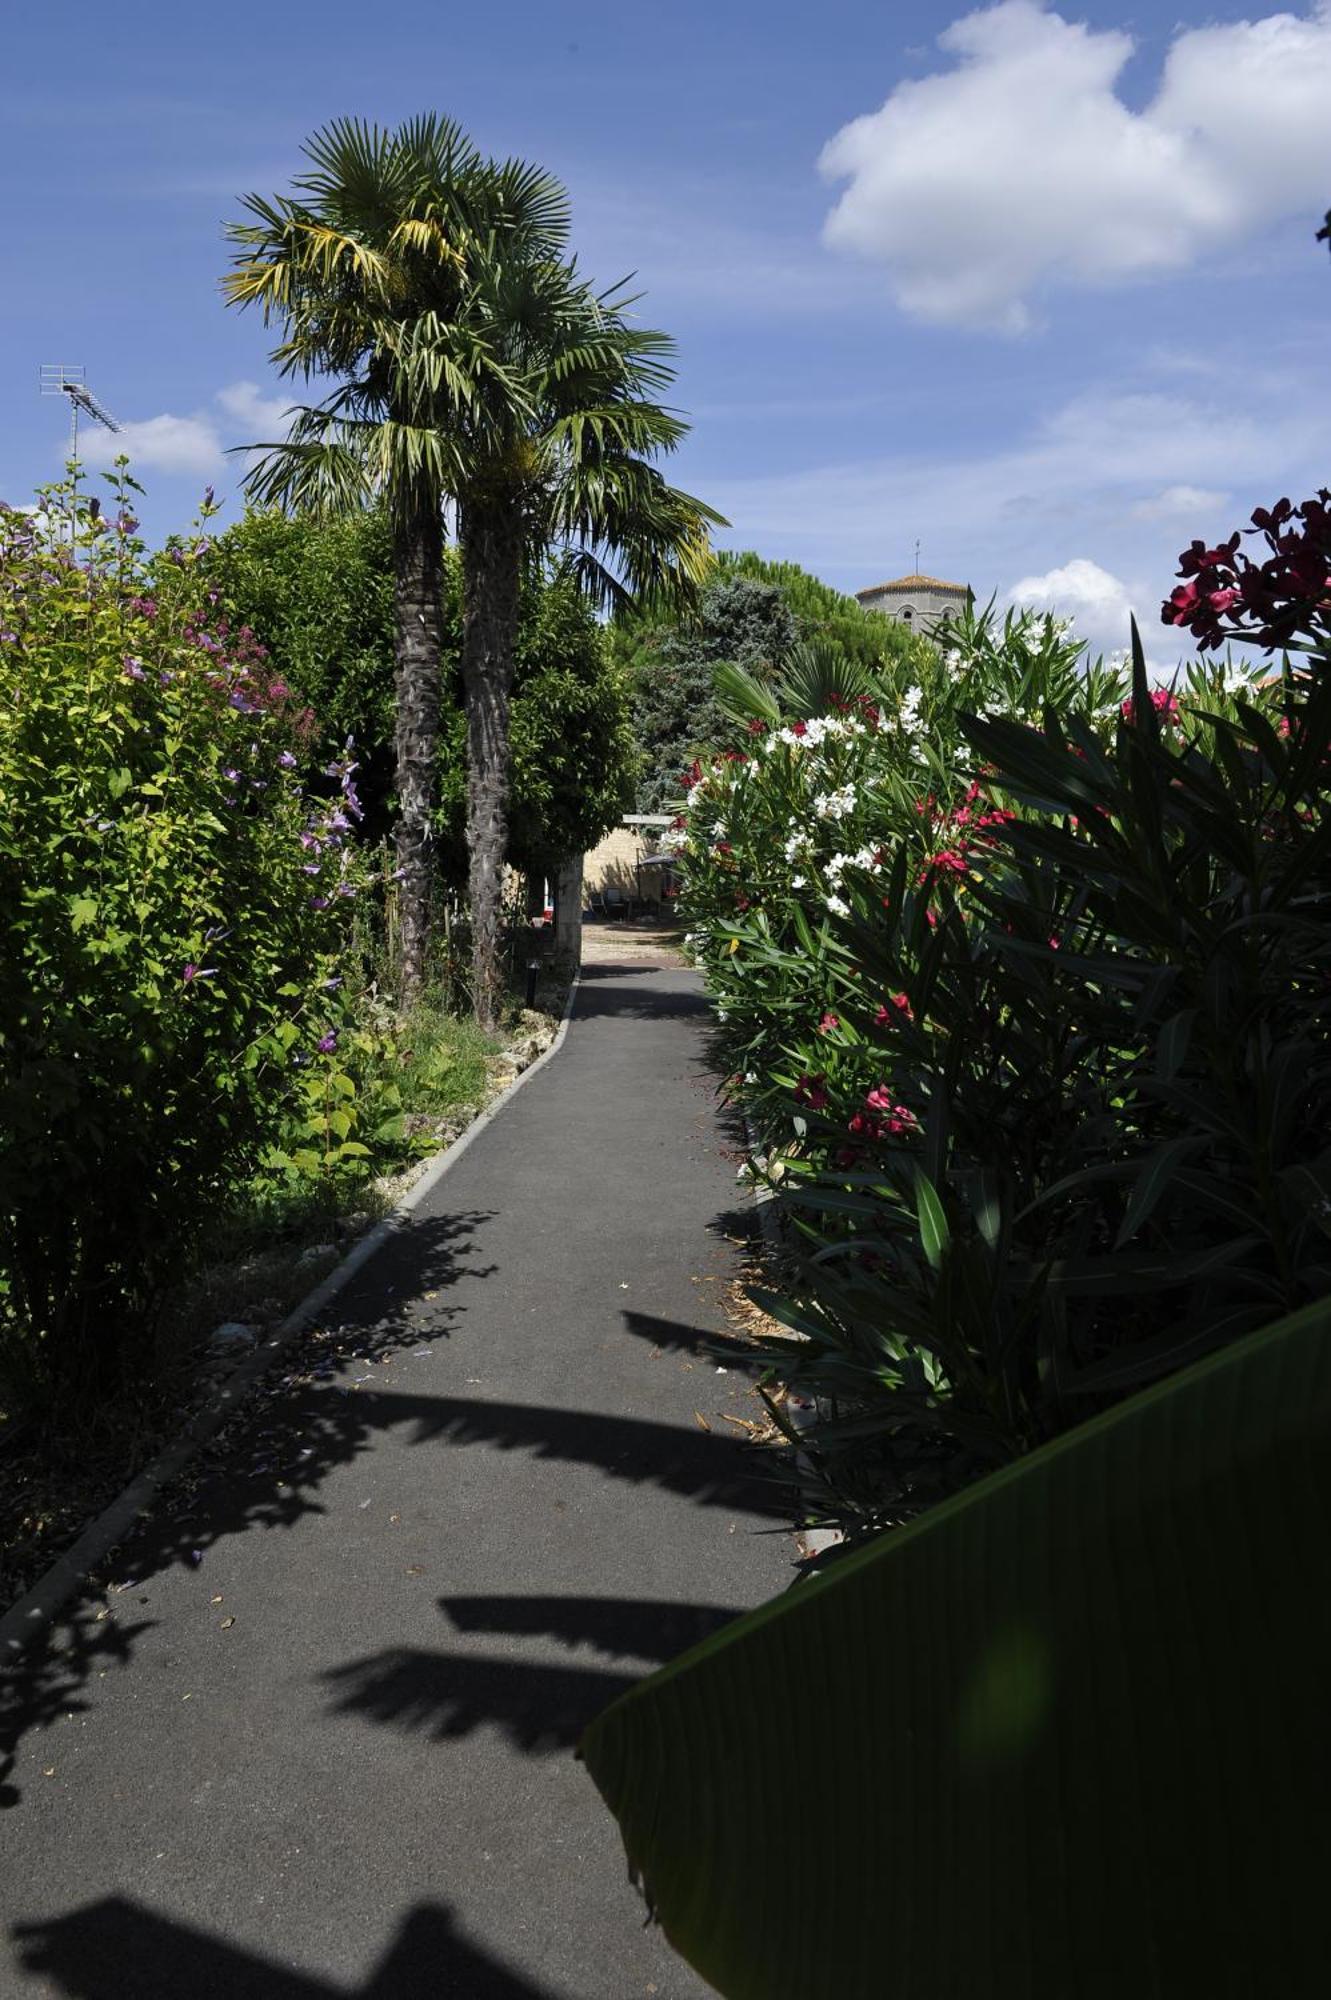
(1035, 1047)
(173, 905)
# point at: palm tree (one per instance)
(475, 366)
(371, 266)
(563, 466)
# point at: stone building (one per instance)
(916, 600)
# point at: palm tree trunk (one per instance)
(418, 563)
(568, 912)
(491, 572)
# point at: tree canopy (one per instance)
(319, 595)
(752, 614)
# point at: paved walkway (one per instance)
(322, 1747)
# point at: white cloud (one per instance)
(1188, 504)
(263, 418)
(1097, 602)
(158, 444)
(1021, 165)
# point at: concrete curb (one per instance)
(32, 1614)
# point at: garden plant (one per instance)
(176, 903)
(1020, 974)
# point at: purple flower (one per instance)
(231, 775)
(327, 1043)
(310, 867)
(133, 668)
(9, 638)
(126, 524)
(318, 902)
(193, 972)
(286, 760)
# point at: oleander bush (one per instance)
(1021, 977)
(174, 903)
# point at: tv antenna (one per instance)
(58, 379)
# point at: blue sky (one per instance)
(1034, 285)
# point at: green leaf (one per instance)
(934, 1233)
(1096, 1624)
(1153, 1182)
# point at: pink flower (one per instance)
(895, 1001)
(1162, 701)
(828, 1022)
(812, 1090)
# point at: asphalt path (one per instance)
(317, 1744)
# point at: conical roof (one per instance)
(916, 582)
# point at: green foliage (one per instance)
(173, 906)
(673, 665)
(319, 594)
(571, 741)
(1029, 1012)
(820, 612)
(752, 615)
(1089, 1676)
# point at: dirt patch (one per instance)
(632, 943)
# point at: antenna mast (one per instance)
(58, 378)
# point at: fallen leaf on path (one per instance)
(415, 1569)
(703, 1424)
(394, 1519)
(48, 1770)
(217, 1599)
(226, 1624)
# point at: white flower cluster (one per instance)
(819, 729)
(908, 716)
(1232, 677)
(674, 840)
(795, 845)
(835, 805)
(837, 907)
(865, 857)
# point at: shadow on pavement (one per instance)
(597, 1001)
(267, 1475)
(702, 1466)
(645, 1628)
(263, 1469)
(541, 1706)
(116, 1950)
(673, 1337)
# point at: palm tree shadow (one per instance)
(263, 1468)
(114, 1950)
(539, 1705)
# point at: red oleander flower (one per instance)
(812, 1090)
(828, 1022)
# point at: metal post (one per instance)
(533, 967)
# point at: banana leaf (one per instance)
(1065, 1735)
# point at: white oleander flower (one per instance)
(798, 882)
(837, 907)
(835, 805)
